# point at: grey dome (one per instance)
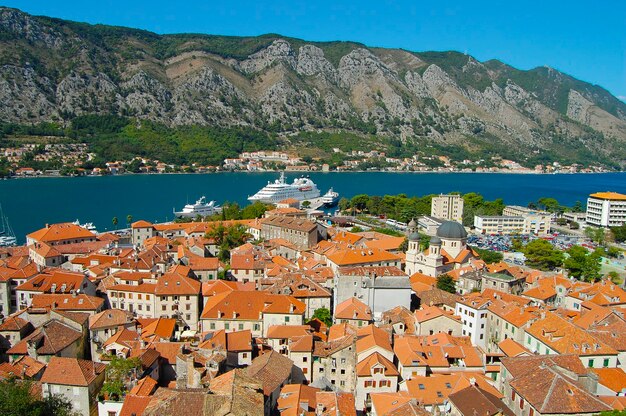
(414, 236)
(412, 223)
(435, 241)
(451, 229)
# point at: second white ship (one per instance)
(279, 190)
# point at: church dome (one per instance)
(412, 223)
(434, 241)
(414, 236)
(451, 229)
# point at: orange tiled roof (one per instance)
(352, 257)
(60, 232)
(565, 338)
(72, 371)
(173, 284)
(436, 388)
(353, 308)
(364, 367)
(80, 302)
(248, 305)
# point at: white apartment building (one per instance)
(473, 312)
(606, 209)
(448, 207)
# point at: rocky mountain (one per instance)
(54, 70)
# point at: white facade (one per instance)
(474, 322)
(606, 209)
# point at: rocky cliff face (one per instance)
(52, 70)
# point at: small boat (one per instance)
(88, 225)
(201, 207)
(330, 198)
(7, 236)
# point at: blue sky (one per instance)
(586, 40)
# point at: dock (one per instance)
(316, 203)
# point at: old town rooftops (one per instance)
(72, 371)
(249, 305)
(61, 232)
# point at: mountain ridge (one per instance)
(52, 70)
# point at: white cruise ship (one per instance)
(273, 192)
(330, 198)
(201, 207)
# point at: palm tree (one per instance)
(129, 219)
(114, 221)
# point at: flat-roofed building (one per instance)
(535, 221)
(447, 207)
(606, 209)
(498, 224)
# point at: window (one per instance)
(148, 308)
(378, 370)
(343, 371)
(605, 363)
(591, 363)
(370, 383)
(512, 395)
(227, 325)
(286, 319)
(163, 307)
(521, 403)
(244, 355)
(421, 386)
(305, 359)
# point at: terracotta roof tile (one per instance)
(71, 371)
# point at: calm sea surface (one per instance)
(31, 203)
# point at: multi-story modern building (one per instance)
(447, 207)
(535, 221)
(606, 209)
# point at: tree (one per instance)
(561, 221)
(129, 219)
(614, 276)
(540, 254)
(359, 202)
(323, 315)
(445, 282)
(227, 238)
(576, 262)
(16, 400)
(255, 210)
(114, 221)
(119, 373)
(549, 204)
(619, 233)
(574, 225)
(356, 229)
(344, 204)
(577, 207)
(613, 413)
(306, 204)
(489, 256)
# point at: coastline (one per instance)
(455, 172)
